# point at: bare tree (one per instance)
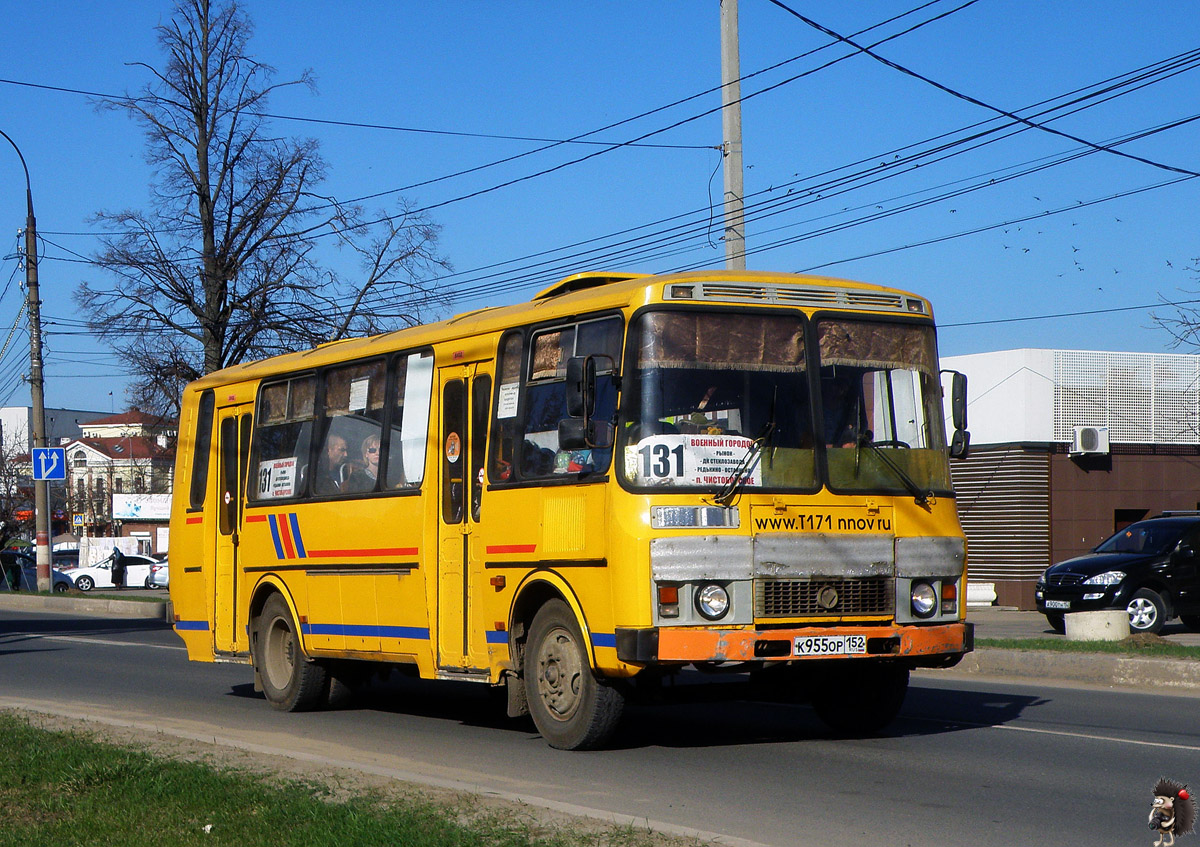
(1182, 319)
(226, 264)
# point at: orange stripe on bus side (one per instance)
(374, 551)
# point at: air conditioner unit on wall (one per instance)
(1089, 440)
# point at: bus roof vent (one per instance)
(579, 282)
(808, 295)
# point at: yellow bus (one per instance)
(578, 498)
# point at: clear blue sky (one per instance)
(554, 70)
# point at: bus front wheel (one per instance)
(570, 706)
(860, 698)
(290, 681)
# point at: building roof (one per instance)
(128, 449)
(133, 416)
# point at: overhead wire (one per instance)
(869, 51)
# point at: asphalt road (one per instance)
(969, 761)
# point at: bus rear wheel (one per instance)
(290, 681)
(570, 706)
(860, 698)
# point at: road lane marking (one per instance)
(107, 641)
(1059, 732)
(1086, 736)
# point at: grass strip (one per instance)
(62, 789)
(1135, 646)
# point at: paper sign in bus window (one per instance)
(277, 478)
(690, 460)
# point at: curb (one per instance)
(1161, 674)
(154, 609)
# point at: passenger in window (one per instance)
(363, 478)
(331, 469)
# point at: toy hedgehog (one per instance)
(1172, 813)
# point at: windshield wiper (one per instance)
(920, 495)
(737, 480)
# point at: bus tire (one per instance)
(860, 698)
(290, 680)
(570, 706)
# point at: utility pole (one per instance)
(41, 504)
(731, 128)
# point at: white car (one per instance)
(160, 575)
(137, 573)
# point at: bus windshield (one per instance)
(881, 409)
(703, 387)
(717, 397)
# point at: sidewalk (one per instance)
(1159, 674)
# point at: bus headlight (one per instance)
(924, 600)
(712, 601)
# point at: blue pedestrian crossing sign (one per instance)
(49, 463)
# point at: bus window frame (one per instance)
(320, 427)
(528, 334)
(898, 490)
(206, 410)
(630, 354)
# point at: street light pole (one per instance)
(41, 510)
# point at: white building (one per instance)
(1067, 446)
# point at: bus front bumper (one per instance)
(929, 645)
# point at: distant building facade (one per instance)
(119, 477)
(1067, 447)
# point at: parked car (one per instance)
(1151, 569)
(160, 575)
(65, 559)
(137, 573)
(11, 560)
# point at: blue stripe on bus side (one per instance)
(201, 626)
(295, 522)
(496, 636)
(604, 639)
(275, 536)
(367, 630)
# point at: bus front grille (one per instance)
(798, 598)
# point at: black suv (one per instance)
(1150, 568)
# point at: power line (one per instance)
(961, 96)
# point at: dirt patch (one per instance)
(1146, 639)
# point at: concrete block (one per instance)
(981, 593)
(1106, 625)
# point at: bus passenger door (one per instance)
(233, 433)
(465, 409)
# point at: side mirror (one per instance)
(960, 444)
(581, 386)
(958, 399)
(1186, 551)
(581, 434)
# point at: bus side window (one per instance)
(352, 416)
(525, 430)
(282, 438)
(408, 431)
(506, 428)
(203, 447)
